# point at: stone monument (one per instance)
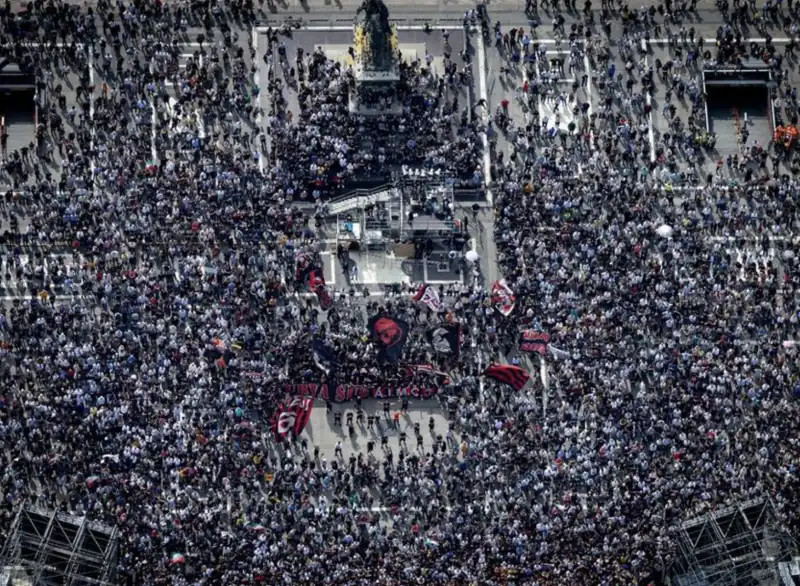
(376, 65)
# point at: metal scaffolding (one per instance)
(737, 546)
(47, 548)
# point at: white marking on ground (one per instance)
(482, 88)
(650, 134)
(91, 121)
(153, 123)
(257, 82)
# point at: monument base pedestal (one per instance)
(390, 107)
(375, 94)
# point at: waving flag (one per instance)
(218, 352)
(177, 558)
(429, 296)
(445, 338)
(503, 297)
(316, 282)
(324, 356)
(558, 353)
(291, 418)
(303, 414)
(390, 334)
(513, 376)
(439, 377)
(303, 265)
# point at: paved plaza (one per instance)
(322, 432)
(497, 81)
(213, 235)
(576, 90)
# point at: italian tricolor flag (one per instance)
(177, 558)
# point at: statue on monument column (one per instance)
(378, 33)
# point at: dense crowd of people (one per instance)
(426, 121)
(142, 367)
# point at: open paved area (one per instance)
(321, 430)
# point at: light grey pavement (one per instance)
(322, 433)
(19, 125)
(481, 226)
(22, 131)
(321, 430)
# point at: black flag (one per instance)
(445, 339)
(324, 356)
(390, 334)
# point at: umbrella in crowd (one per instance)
(664, 231)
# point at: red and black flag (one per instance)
(291, 418)
(513, 376)
(534, 341)
(218, 352)
(316, 282)
(390, 334)
(429, 295)
(304, 264)
(445, 339)
(503, 297)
